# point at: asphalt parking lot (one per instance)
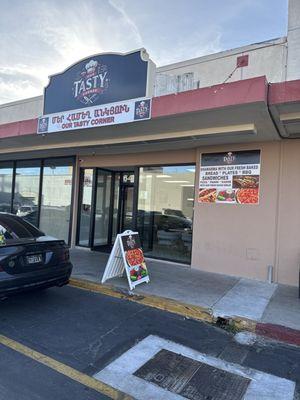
(75, 329)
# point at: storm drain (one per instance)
(192, 379)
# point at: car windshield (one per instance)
(12, 227)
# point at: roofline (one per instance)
(230, 94)
(223, 54)
(184, 63)
(21, 101)
(284, 92)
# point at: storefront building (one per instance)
(208, 175)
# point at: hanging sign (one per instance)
(100, 79)
(230, 178)
(127, 254)
(92, 117)
(103, 89)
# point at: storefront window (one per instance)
(6, 177)
(85, 208)
(56, 198)
(26, 196)
(165, 211)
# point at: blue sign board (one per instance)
(99, 79)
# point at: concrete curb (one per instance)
(279, 333)
(234, 323)
(162, 303)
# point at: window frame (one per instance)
(15, 164)
(136, 170)
(194, 164)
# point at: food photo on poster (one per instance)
(230, 178)
(134, 257)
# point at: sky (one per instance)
(39, 38)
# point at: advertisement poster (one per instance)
(230, 178)
(134, 257)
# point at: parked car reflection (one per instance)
(165, 232)
(25, 210)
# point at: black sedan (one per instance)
(28, 258)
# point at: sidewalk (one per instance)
(223, 296)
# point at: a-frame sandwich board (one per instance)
(127, 255)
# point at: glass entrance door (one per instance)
(103, 208)
(112, 207)
(126, 208)
(158, 201)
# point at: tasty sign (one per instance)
(91, 82)
(100, 79)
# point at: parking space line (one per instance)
(65, 370)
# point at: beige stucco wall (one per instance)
(288, 251)
(239, 239)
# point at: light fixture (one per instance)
(176, 181)
(163, 176)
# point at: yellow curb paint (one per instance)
(165, 304)
(162, 303)
(65, 370)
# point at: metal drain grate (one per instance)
(192, 379)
